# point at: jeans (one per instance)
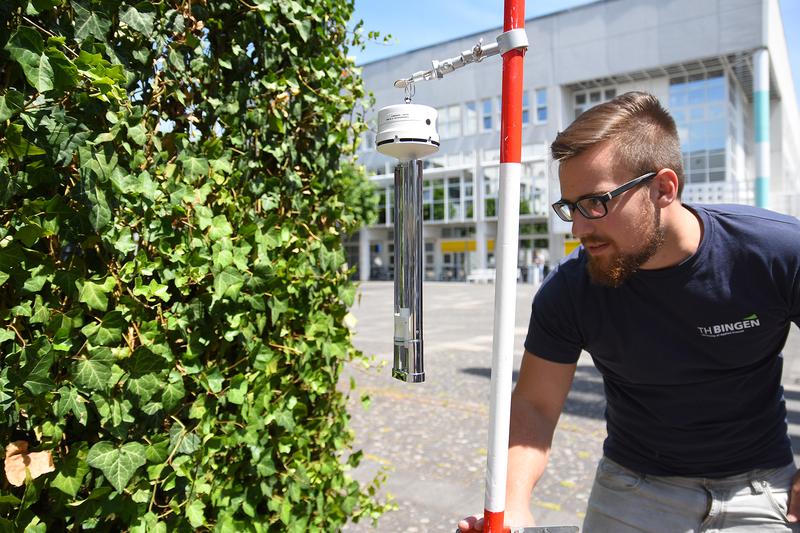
(623, 501)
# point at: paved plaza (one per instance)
(431, 438)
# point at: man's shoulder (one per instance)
(752, 230)
(747, 217)
(569, 274)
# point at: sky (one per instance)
(418, 23)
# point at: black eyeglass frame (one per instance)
(602, 198)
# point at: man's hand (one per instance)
(475, 522)
(794, 499)
(471, 523)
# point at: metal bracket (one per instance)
(512, 40)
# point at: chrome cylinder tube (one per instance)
(408, 272)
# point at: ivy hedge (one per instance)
(174, 190)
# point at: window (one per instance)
(486, 114)
(541, 106)
(533, 189)
(454, 198)
(468, 196)
(382, 206)
(698, 105)
(430, 272)
(433, 200)
(450, 121)
(471, 118)
(526, 108)
(588, 98)
(491, 176)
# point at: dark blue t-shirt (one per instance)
(690, 355)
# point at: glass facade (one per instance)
(588, 98)
(526, 108)
(486, 114)
(449, 122)
(470, 118)
(541, 106)
(699, 106)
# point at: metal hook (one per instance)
(410, 89)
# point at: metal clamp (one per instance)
(511, 40)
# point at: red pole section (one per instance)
(506, 247)
(513, 66)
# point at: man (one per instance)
(684, 310)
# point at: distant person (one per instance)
(685, 310)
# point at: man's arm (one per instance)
(535, 408)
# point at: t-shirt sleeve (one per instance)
(794, 299)
(553, 333)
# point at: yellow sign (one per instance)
(570, 245)
(454, 246)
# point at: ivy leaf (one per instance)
(65, 73)
(151, 290)
(194, 512)
(18, 146)
(6, 335)
(38, 380)
(220, 227)
(70, 401)
(95, 294)
(227, 283)
(118, 465)
(215, 380)
(141, 22)
(93, 372)
(88, 23)
(144, 387)
(173, 393)
(38, 276)
(158, 451)
(106, 332)
(303, 27)
(183, 441)
(26, 47)
(11, 103)
(137, 133)
(100, 213)
(29, 234)
(194, 166)
(71, 470)
(44, 5)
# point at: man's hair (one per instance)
(642, 131)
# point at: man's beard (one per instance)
(614, 271)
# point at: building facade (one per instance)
(720, 66)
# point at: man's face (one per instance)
(629, 235)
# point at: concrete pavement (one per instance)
(431, 438)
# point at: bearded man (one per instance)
(684, 310)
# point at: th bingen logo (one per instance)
(720, 330)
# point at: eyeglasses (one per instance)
(594, 206)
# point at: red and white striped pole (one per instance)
(505, 250)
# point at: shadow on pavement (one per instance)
(586, 397)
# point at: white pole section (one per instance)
(505, 293)
(505, 297)
(761, 119)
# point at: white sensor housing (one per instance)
(407, 131)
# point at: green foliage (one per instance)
(174, 191)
